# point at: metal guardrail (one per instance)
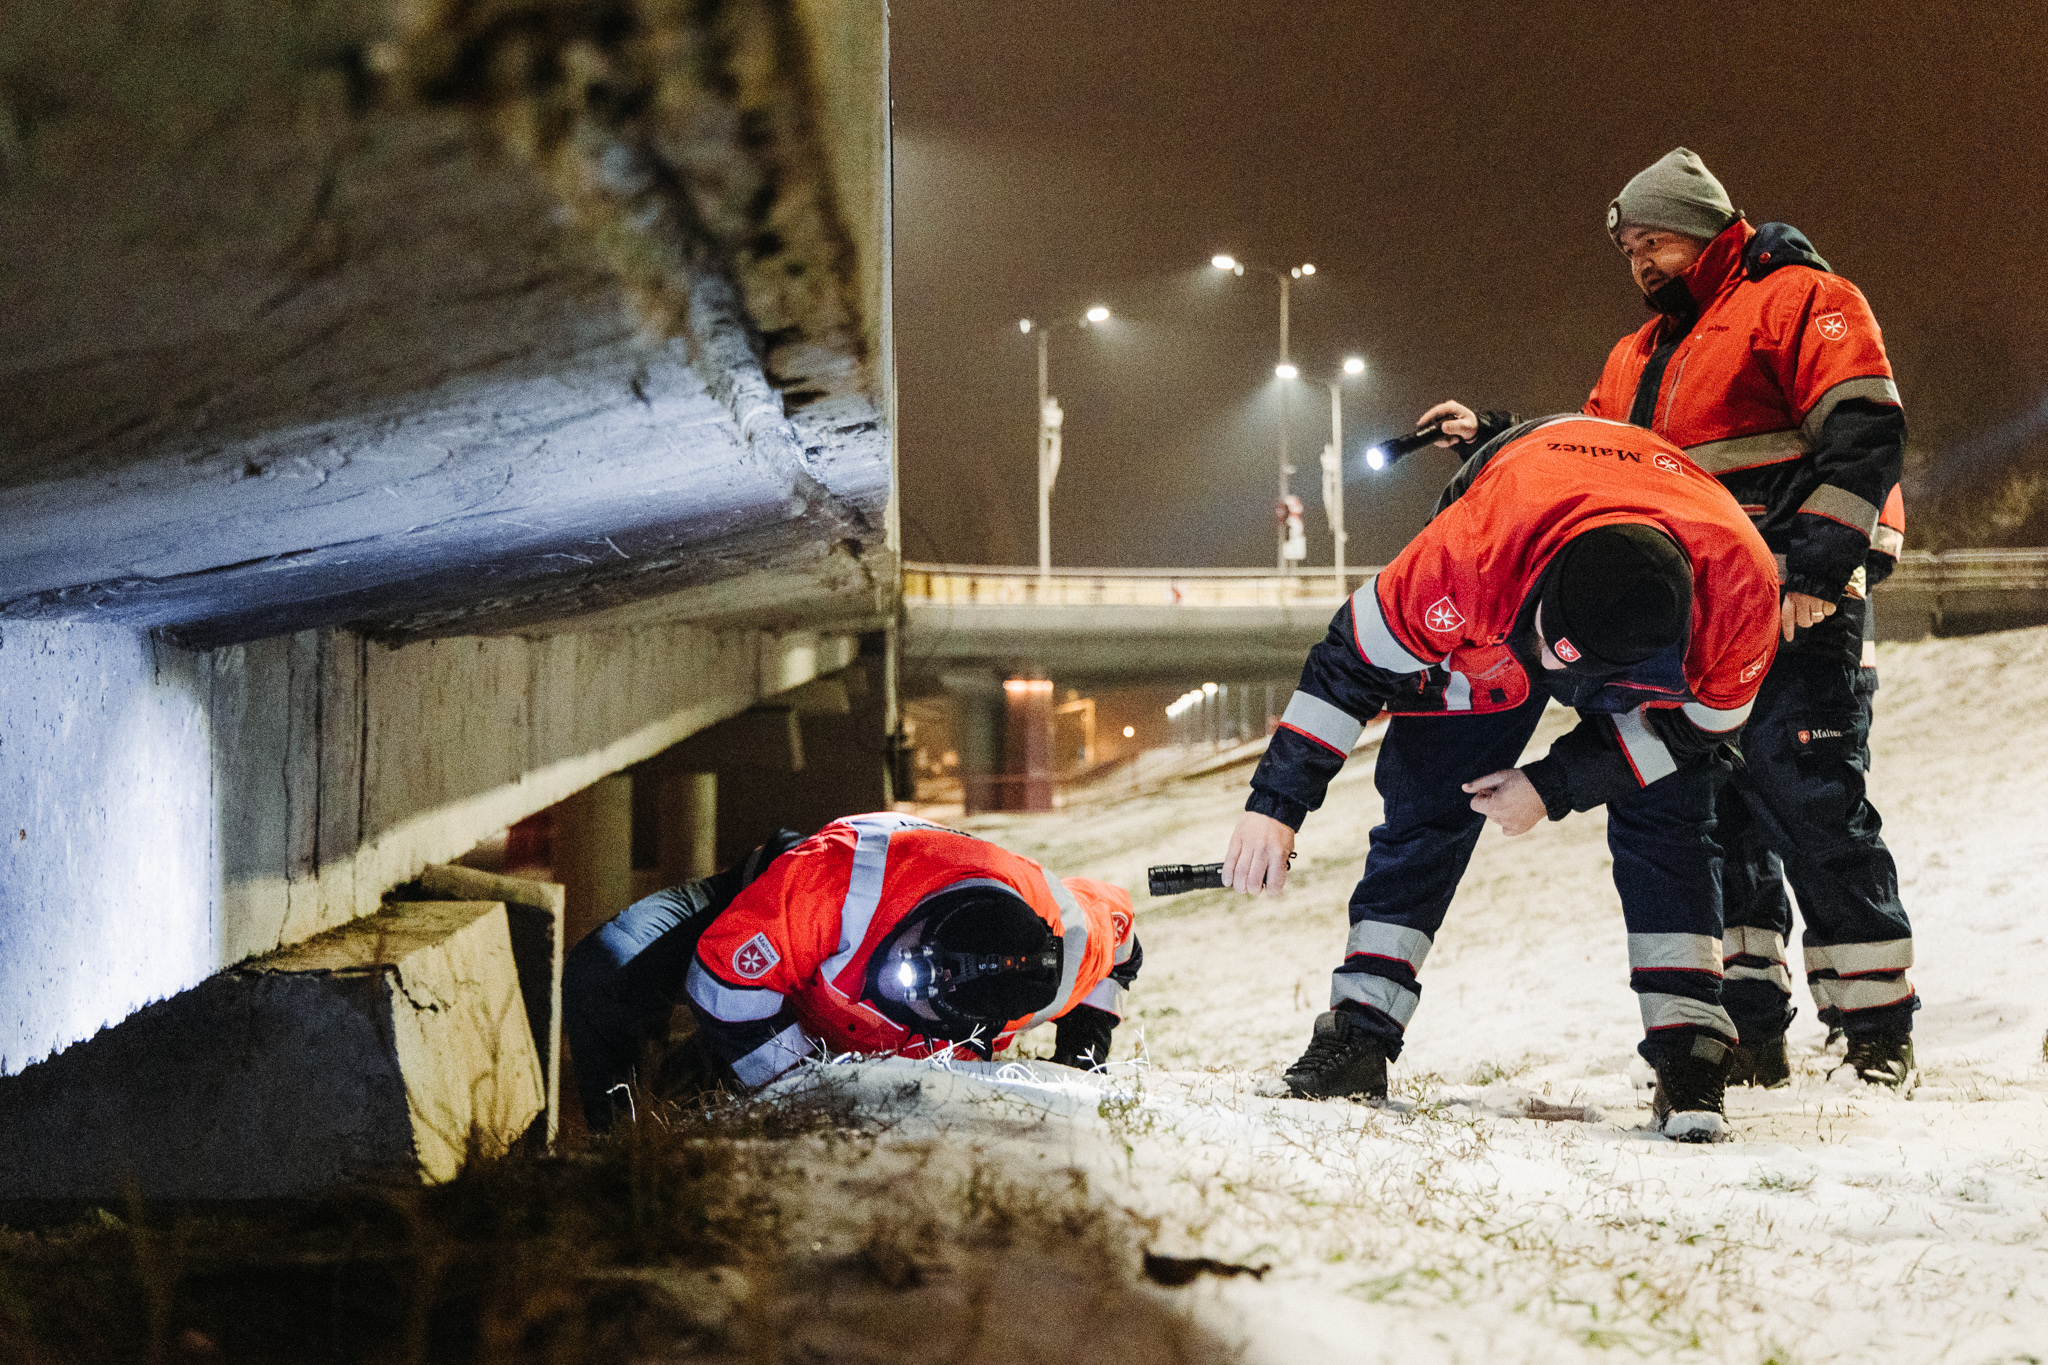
(1952, 571)
(971, 585)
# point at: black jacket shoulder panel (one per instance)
(1777, 245)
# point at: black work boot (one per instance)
(1764, 1063)
(1687, 1106)
(1344, 1060)
(1883, 1058)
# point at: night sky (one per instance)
(1447, 168)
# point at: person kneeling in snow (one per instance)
(878, 934)
(1593, 558)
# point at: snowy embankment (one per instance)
(1839, 1223)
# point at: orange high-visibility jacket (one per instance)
(1778, 345)
(1434, 632)
(786, 965)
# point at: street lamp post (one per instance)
(1050, 419)
(1290, 548)
(1333, 468)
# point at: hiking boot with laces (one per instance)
(1764, 1063)
(1343, 1061)
(1884, 1059)
(1687, 1106)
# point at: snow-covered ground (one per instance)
(1840, 1223)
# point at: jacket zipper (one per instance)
(1670, 398)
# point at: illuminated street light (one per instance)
(1285, 370)
(1333, 468)
(1050, 419)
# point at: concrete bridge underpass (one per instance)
(997, 640)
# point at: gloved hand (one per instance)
(1081, 1037)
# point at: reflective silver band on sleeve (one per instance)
(1373, 938)
(1746, 452)
(735, 1005)
(1662, 1011)
(1322, 722)
(1888, 540)
(1645, 752)
(1109, 996)
(1395, 1001)
(1674, 952)
(1375, 641)
(1857, 959)
(1839, 504)
(1073, 945)
(1877, 388)
(772, 1058)
(1859, 993)
(1717, 719)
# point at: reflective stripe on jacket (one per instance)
(787, 962)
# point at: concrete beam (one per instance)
(387, 1050)
(448, 325)
(255, 795)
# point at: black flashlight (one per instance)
(1383, 453)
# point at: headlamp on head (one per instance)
(928, 973)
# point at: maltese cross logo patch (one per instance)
(1566, 650)
(1833, 326)
(1443, 615)
(1667, 464)
(1752, 668)
(755, 957)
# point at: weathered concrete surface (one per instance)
(387, 1050)
(409, 415)
(171, 812)
(534, 917)
(440, 319)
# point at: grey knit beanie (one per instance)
(1677, 193)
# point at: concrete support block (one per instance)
(1027, 775)
(594, 853)
(981, 716)
(389, 1049)
(686, 840)
(534, 912)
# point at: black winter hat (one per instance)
(1616, 595)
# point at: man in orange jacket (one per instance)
(1769, 371)
(1576, 559)
(880, 934)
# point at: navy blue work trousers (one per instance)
(1667, 868)
(620, 985)
(1795, 808)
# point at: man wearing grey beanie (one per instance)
(1770, 372)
